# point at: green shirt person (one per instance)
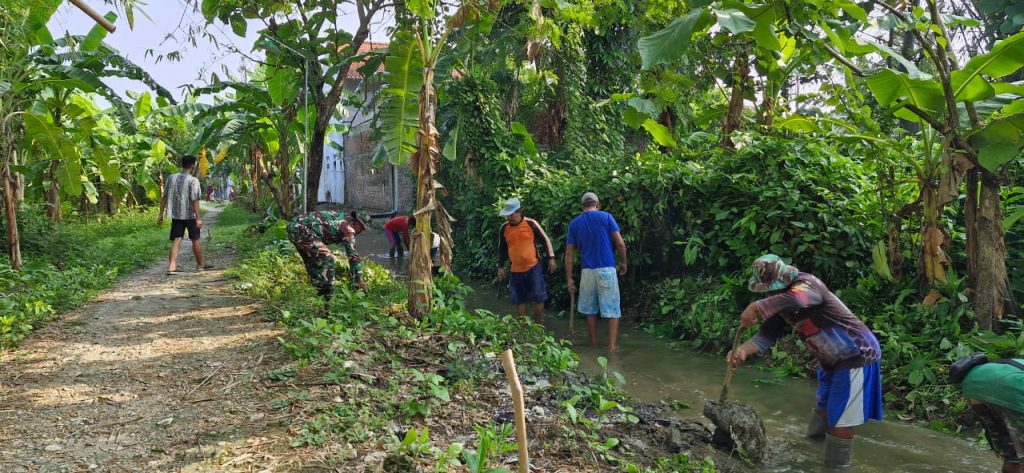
(996, 392)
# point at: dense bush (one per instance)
(702, 212)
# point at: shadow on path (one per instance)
(160, 373)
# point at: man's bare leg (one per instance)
(613, 334)
(538, 312)
(592, 329)
(172, 260)
(841, 432)
(521, 310)
(197, 250)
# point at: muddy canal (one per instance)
(656, 371)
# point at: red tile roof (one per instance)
(353, 72)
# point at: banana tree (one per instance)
(16, 38)
(981, 146)
(66, 68)
(980, 121)
(408, 111)
(776, 34)
(259, 119)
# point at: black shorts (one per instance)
(178, 228)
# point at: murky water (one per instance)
(655, 371)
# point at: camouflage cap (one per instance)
(770, 273)
(361, 216)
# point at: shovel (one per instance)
(729, 370)
(737, 425)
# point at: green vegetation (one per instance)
(70, 262)
(876, 146)
(430, 375)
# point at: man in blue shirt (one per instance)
(595, 232)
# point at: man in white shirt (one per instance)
(180, 201)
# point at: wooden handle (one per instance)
(520, 410)
(729, 369)
(572, 311)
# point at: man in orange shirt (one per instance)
(518, 239)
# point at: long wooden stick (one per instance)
(730, 369)
(94, 15)
(572, 311)
(517, 403)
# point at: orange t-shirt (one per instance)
(521, 248)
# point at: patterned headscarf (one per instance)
(771, 274)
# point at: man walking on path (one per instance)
(595, 232)
(518, 238)
(397, 231)
(312, 232)
(848, 354)
(996, 392)
(181, 203)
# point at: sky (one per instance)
(162, 26)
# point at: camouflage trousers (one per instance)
(1004, 429)
(320, 264)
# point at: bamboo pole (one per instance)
(520, 410)
(94, 15)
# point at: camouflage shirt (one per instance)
(327, 226)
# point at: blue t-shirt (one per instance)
(591, 232)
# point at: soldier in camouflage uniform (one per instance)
(312, 232)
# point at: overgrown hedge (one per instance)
(702, 212)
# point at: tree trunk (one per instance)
(11, 210)
(325, 107)
(256, 155)
(971, 225)
(269, 181)
(733, 117)
(18, 180)
(421, 285)
(53, 194)
(933, 258)
(315, 164)
(992, 295)
(84, 206)
(767, 110)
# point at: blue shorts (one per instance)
(599, 292)
(852, 396)
(528, 286)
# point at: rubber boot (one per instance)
(817, 427)
(838, 452)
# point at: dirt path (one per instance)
(160, 373)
